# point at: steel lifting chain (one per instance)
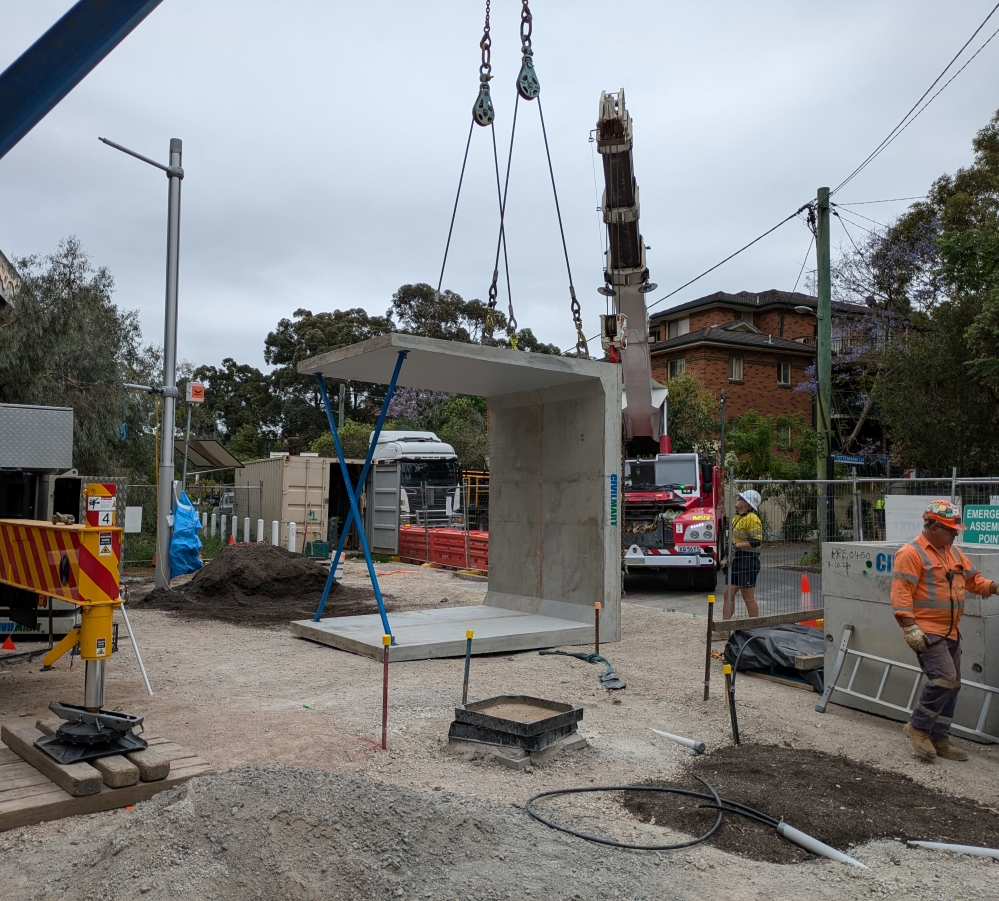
(483, 112)
(528, 85)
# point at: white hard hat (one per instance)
(752, 498)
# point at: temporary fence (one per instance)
(447, 526)
(223, 509)
(798, 516)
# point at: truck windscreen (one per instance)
(650, 474)
(430, 472)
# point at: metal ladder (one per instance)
(846, 651)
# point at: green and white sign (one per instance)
(982, 525)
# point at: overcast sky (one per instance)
(323, 141)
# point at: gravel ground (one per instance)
(301, 804)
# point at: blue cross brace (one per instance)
(354, 494)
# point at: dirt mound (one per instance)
(839, 801)
(258, 585)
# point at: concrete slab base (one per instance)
(428, 634)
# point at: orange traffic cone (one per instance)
(806, 600)
(8, 645)
(232, 539)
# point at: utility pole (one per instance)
(823, 359)
(164, 492)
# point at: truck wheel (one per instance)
(705, 580)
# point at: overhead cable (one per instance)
(911, 115)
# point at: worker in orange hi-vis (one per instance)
(928, 586)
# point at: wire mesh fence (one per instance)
(224, 510)
(797, 517)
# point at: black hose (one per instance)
(721, 804)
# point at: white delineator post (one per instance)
(222, 525)
(260, 531)
(215, 525)
(204, 520)
(292, 537)
(275, 533)
(246, 529)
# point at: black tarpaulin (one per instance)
(774, 650)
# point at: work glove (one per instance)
(915, 638)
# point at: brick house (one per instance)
(754, 345)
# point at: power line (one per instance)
(863, 228)
(793, 215)
(854, 243)
(909, 117)
(862, 216)
(889, 200)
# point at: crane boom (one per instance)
(627, 279)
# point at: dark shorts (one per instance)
(745, 569)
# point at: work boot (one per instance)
(921, 741)
(948, 751)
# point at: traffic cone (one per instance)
(232, 540)
(8, 645)
(806, 600)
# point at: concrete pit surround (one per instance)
(554, 542)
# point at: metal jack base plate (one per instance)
(88, 735)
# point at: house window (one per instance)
(735, 369)
(783, 373)
(676, 367)
(677, 327)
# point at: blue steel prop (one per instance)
(355, 494)
(60, 59)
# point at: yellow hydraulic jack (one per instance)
(79, 564)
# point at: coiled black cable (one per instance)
(720, 804)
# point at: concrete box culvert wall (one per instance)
(856, 589)
(554, 532)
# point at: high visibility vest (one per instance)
(929, 585)
(747, 528)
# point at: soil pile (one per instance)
(837, 800)
(258, 585)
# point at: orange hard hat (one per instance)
(945, 513)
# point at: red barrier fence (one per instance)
(451, 548)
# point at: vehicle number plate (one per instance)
(687, 549)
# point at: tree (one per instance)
(692, 416)
(307, 335)
(940, 384)
(772, 447)
(239, 404)
(64, 343)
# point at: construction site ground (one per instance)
(305, 804)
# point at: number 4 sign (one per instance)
(100, 499)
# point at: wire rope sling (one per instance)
(484, 115)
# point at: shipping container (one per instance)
(293, 490)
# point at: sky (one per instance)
(323, 142)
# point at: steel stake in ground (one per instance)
(707, 650)
(386, 644)
(596, 627)
(730, 691)
(468, 660)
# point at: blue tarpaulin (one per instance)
(185, 545)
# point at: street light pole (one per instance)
(164, 494)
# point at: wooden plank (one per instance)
(760, 622)
(56, 804)
(28, 776)
(77, 779)
(153, 764)
(793, 683)
(809, 662)
(116, 771)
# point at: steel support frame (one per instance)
(354, 494)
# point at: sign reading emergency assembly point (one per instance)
(982, 525)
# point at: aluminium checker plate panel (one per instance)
(36, 438)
